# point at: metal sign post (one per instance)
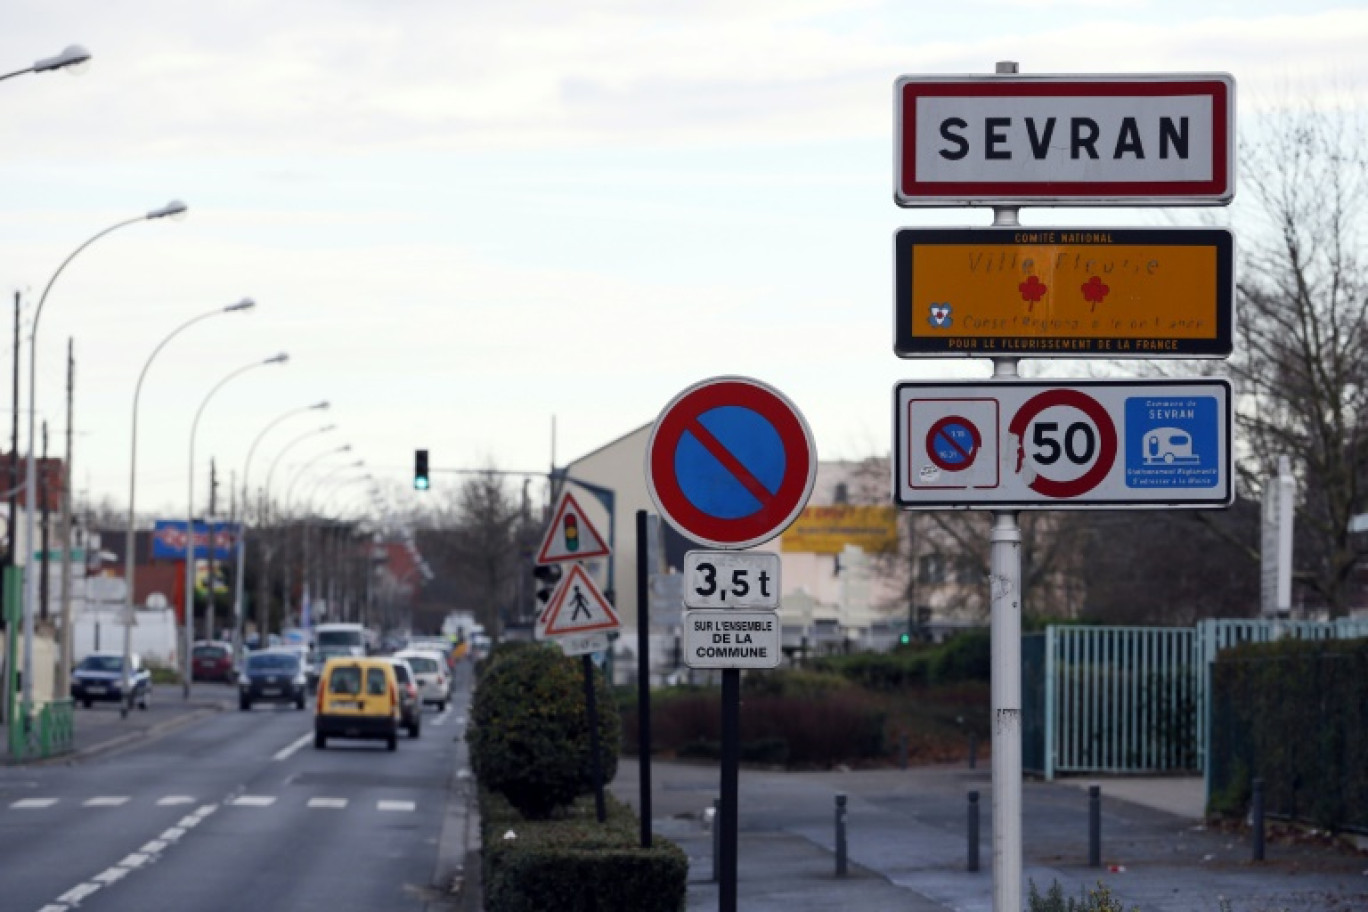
(730, 463)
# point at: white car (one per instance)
(430, 670)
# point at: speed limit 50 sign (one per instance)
(1061, 445)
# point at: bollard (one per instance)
(1094, 826)
(1257, 823)
(973, 751)
(973, 831)
(840, 835)
(902, 751)
(717, 838)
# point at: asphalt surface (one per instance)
(907, 834)
(195, 805)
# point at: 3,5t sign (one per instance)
(731, 579)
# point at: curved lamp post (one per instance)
(171, 209)
(190, 513)
(71, 60)
(130, 565)
(288, 500)
(242, 528)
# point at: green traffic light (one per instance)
(420, 483)
(905, 639)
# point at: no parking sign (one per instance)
(731, 462)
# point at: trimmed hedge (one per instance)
(1294, 713)
(966, 657)
(576, 864)
(529, 734)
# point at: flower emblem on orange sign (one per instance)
(1032, 290)
(1094, 291)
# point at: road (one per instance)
(235, 811)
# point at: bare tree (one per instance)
(1302, 353)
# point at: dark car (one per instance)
(272, 676)
(212, 661)
(100, 677)
(410, 705)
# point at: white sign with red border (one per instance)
(1064, 444)
(1087, 140)
(570, 536)
(577, 606)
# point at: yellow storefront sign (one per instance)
(1122, 293)
(827, 530)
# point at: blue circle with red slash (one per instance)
(730, 462)
(952, 443)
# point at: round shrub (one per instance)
(529, 737)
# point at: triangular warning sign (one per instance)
(571, 536)
(577, 606)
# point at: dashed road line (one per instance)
(106, 801)
(288, 750)
(27, 803)
(259, 801)
(173, 800)
(395, 805)
(328, 803)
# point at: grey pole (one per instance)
(841, 866)
(1257, 827)
(973, 831)
(1094, 826)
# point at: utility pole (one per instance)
(209, 540)
(45, 471)
(64, 666)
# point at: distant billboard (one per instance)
(169, 540)
(827, 530)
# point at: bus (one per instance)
(333, 639)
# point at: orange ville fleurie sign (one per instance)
(1064, 292)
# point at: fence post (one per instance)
(973, 831)
(973, 751)
(1257, 823)
(840, 835)
(1094, 826)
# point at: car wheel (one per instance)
(144, 700)
(441, 706)
(392, 742)
(414, 730)
(320, 740)
(86, 704)
(299, 704)
(245, 705)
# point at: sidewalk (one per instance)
(908, 845)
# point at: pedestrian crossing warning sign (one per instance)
(577, 606)
(570, 537)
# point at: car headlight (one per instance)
(244, 681)
(300, 680)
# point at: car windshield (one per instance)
(401, 672)
(273, 661)
(422, 664)
(101, 663)
(343, 638)
(209, 652)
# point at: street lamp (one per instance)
(303, 470)
(73, 60)
(242, 528)
(270, 473)
(171, 209)
(306, 500)
(130, 564)
(190, 513)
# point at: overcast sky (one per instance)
(462, 218)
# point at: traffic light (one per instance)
(905, 638)
(571, 524)
(420, 470)
(547, 576)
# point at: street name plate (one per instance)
(732, 639)
(731, 579)
(582, 643)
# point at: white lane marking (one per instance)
(205, 810)
(78, 893)
(23, 803)
(442, 718)
(111, 875)
(153, 847)
(173, 800)
(285, 752)
(258, 801)
(106, 801)
(52, 908)
(395, 805)
(136, 860)
(327, 802)
(171, 834)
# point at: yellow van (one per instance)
(357, 698)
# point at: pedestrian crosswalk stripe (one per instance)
(327, 802)
(106, 801)
(34, 803)
(394, 805)
(253, 801)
